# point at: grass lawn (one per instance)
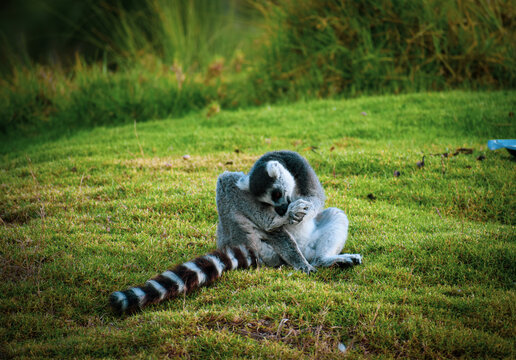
(107, 208)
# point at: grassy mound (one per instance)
(110, 207)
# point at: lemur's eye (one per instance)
(276, 195)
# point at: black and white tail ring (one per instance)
(183, 279)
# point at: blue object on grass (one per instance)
(509, 144)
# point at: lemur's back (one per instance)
(229, 200)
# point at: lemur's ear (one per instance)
(243, 183)
(273, 169)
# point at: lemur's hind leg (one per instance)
(283, 243)
(329, 237)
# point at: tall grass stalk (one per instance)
(190, 33)
(321, 48)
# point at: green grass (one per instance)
(43, 100)
(107, 208)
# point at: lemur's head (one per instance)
(271, 183)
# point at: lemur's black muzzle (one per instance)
(281, 209)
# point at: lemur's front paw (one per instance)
(297, 211)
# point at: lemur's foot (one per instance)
(348, 260)
(309, 269)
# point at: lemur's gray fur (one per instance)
(277, 210)
(273, 215)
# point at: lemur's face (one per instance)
(271, 184)
(280, 191)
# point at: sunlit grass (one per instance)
(107, 208)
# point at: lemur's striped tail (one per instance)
(183, 278)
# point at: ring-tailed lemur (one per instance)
(273, 215)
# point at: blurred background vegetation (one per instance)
(69, 65)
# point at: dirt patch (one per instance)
(19, 215)
(237, 161)
(319, 340)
